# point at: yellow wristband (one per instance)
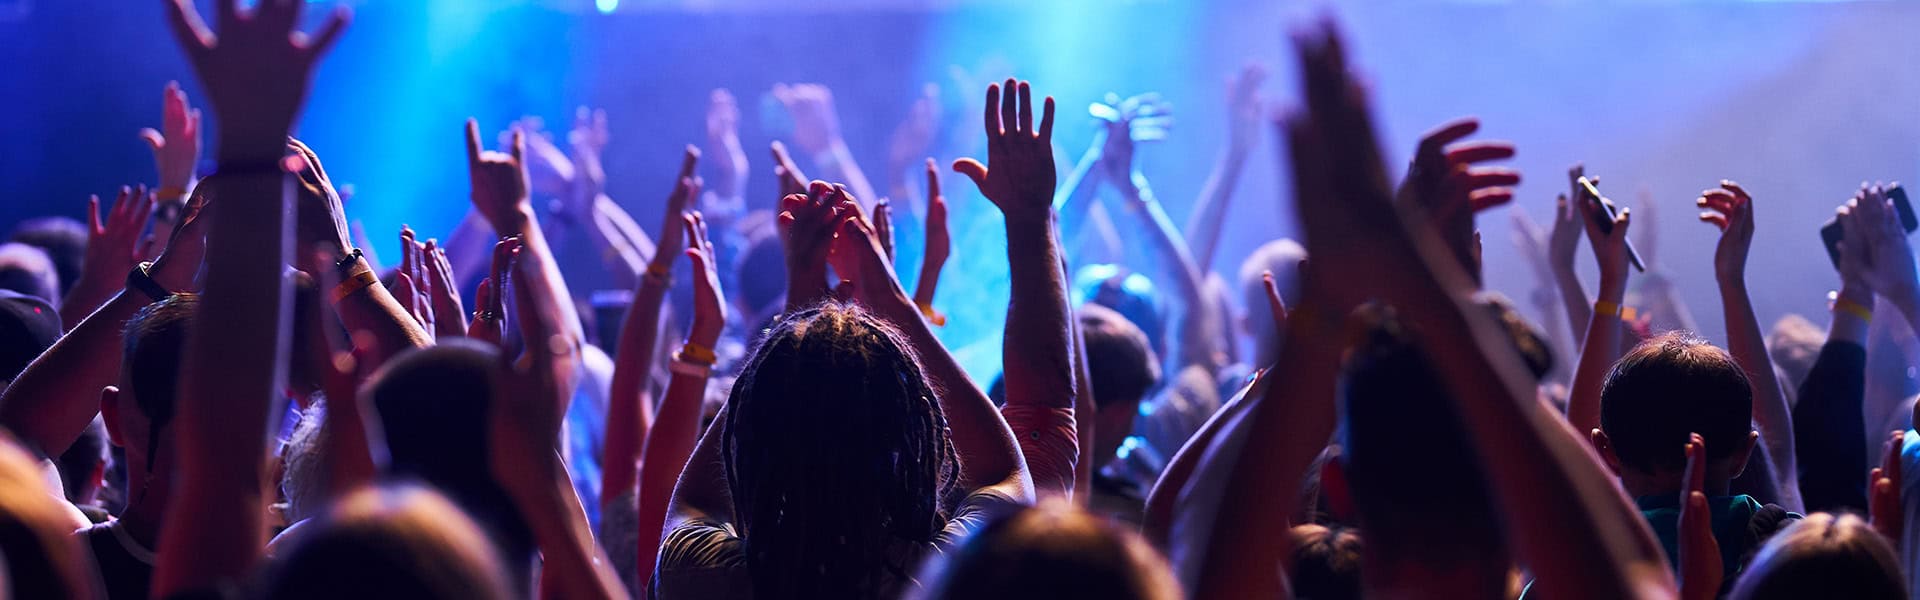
(696, 354)
(354, 284)
(933, 316)
(1853, 308)
(1603, 307)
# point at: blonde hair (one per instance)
(43, 558)
(1824, 555)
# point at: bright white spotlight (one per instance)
(606, 6)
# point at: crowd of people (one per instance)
(214, 390)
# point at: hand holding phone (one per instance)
(1603, 217)
(1830, 233)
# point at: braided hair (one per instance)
(837, 456)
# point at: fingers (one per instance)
(153, 138)
(1484, 199)
(933, 180)
(188, 30)
(473, 142)
(993, 112)
(329, 33)
(1480, 151)
(973, 170)
(688, 160)
(1025, 123)
(1447, 133)
(1009, 109)
(519, 148)
(1696, 463)
(1274, 302)
(1046, 120)
(883, 226)
(93, 217)
(1738, 191)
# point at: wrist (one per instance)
(251, 150)
(1612, 288)
(514, 222)
(1856, 293)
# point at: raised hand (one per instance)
(1701, 571)
(499, 181)
(320, 214)
(883, 225)
(1445, 185)
(443, 293)
(1022, 180)
(489, 300)
(1890, 265)
(686, 187)
(589, 139)
(1274, 303)
(816, 127)
(939, 243)
(1729, 208)
(177, 151)
(807, 223)
(111, 243)
(913, 138)
(549, 171)
(1884, 508)
(1610, 248)
(255, 73)
(723, 142)
(1246, 110)
(1138, 119)
(1569, 220)
(860, 258)
(792, 180)
(411, 286)
(709, 303)
(178, 266)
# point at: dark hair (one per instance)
(155, 339)
(63, 239)
(28, 270)
(432, 405)
(836, 452)
(1128, 293)
(761, 268)
(1053, 550)
(1122, 367)
(1326, 563)
(1667, 387)
(391, 541)
(1414, 475)
(1824, 556)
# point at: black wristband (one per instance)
(138, 279)
(345, 265)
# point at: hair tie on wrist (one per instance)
(1848, 306)
(1603, 307)
(353, 285)
(933, 316)
(696, 354)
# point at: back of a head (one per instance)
(432, 405)
(155, 338)
(28, 270)
(1794, 344)
(1130, 294)
(1122, 366)
(836, 454)
(1414, 476)
(389, 542)
(1670, 386)
(762, 271)
(62, 238)
(28, 326)
(1282, 257)
(1326, 563)
(78, 463)
(1824, 556)
(1053, 550)
(42, 557)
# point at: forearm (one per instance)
(1157, 520)
(1828, 426)
(375, 312)
(1749, 348)
(1210, 216)
(545, 273)
(1547, 301)
(1600, 348)
(629, 416)
(572, 565)
(1084, 412)
(1075, 198)
(89, 294)
(1247, 535)
(622, 245)
(1196, 342)
(350, 461)
(1574, 297)
(55, 397)
(1037, 349)
(981, 438)
(667, 450)
(229, 385)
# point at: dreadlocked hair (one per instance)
(837, 456)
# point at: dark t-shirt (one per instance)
(126, 567)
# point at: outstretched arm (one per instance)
(111, 249)
(816, 131)
(1569, 222)
(1601, 340)
(499, 182)
(1829, 428)
(256, 74)
(1246, 114)
(1038, 347)
(1730, 208)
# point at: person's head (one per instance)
(1824, 556)
(395, 541)
(83, 467)
(1666, 388)
(1282, 257)
(1052, 550)
(432, 408)
(28, 270)
(28, 326)
(303, 478)
(1326, 563)
(1794, 344)
(1412, 472)
(139, 411)
(1130, 294)
(39, 555)
(836, 453)
(1123, 370)
(63, 239)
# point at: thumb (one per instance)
(973, 170)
